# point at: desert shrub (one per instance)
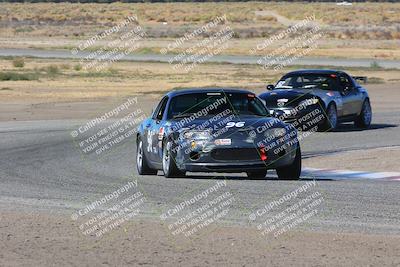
(375, 65)
(52, 70)
(13, 76)
(24, 29)
(77, 67)
(19, 62)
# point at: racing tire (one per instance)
(331, 120)
(141, 161)
(168, 162)
(256, 174)
(292, 171)
(365, 117)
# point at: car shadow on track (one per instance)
(349, 127)
(232, 177)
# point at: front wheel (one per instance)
(331, 120)
(292, 171)
(168, 162)
(365, 117)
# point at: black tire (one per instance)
(331, 120)
(292, 171)
(168, 162)
(365, 117)
(141, 161)
(256, 174)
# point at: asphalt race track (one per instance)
(41, 168)
(305, 61)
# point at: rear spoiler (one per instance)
(360, 78)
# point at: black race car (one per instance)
(216, 130)
(320, 99)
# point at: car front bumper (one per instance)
(310, 116)
(205, 162)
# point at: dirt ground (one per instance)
(42, 239)
(378, 160)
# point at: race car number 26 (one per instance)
(235, 124)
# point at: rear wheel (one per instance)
(292, 171)
(365, 117)
(141, 161)
(168, 162)
(257, 174)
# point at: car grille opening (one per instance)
(194, 155)
(231, 154)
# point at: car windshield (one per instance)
(209, 104)
(308, 81)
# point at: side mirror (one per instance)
(270, 87)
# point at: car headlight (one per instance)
(197, 135)
(309, 102)
(275, 133)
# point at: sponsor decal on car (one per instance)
(223, 142)
(161, 133)
(281, 102)
(330, 93)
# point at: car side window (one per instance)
(345, 83)
(159, 112)
(155, 111)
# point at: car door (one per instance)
(155, 131)
(349, 94)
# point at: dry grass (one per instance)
(129, 78)
(360, 21)
(328, 13)
(346, 29)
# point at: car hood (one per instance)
(241, 123)
(290, 97)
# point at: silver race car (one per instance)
(330, 96)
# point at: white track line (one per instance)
(347, 175)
